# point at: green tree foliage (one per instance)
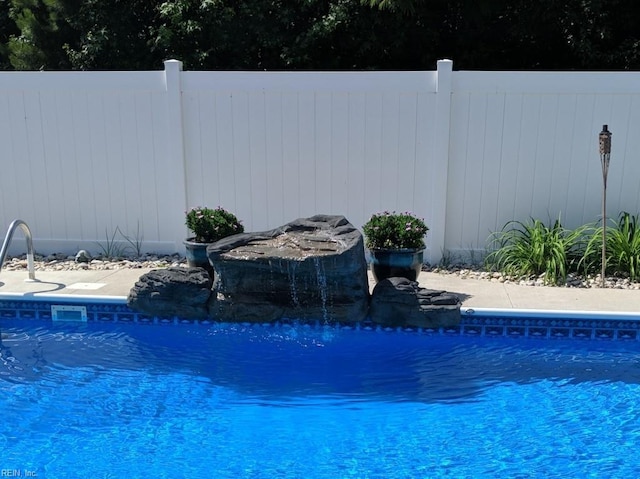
(320, 34)
(115, 35)
(44, 30)
(603, 34)
(281, 34)
(8, 29)
(521, 34)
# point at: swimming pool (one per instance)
(119, 396)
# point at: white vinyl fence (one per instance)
(86, 154)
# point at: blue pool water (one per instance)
(107, 400)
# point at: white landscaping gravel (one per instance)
(62, 262)
(573, 280)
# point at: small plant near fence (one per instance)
(622, 248)
(535, 249)
(112, 247)
(120, 245)
(135, 241)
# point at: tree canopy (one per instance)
(319, 34)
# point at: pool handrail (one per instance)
(27, 235)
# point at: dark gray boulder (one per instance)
(401, 302)
(309, 269)
(182, 292)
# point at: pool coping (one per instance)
(464, 311)
(64, 298)
(546, 313)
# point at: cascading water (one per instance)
(293, 284)
(321, 281)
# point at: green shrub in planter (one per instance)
(210, 225)
(391, 230)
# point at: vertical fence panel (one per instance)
(99, 162)
(322, 153)
(290, 155)
(70, 191)
(388, 181)
(584, 163)
(339, 131)
(526, 158)
(37, 162)
(259, 167)
(241, 155)
(407, 131)
(579, 159)
(475, 164)
(199, 136)
(90, 192)
(561, 141)
(274, 178)
(168, 176)
(627, 147)
(426, 201)
(307, 151)
(457, 169)
(224, 154)
(9, 181)
(53, 166)
(129, 158)
(373, 153)
(509, 160)
(542, 177)
(145, 220)
(21, 166)
(356, 208)
(492, 166)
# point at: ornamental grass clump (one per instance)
(210, 225)
(622, 248)
(535, 249)
(391, 230)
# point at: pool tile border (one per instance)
(472, 324)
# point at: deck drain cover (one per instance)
(85, 286)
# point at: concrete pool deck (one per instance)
(473, 293)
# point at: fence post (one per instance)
(175, 141)
(441, 161)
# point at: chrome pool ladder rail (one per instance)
(27, 235)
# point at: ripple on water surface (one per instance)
(235, 401)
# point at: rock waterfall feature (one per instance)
(311, 269)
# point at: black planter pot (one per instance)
(403, 263)
(197, 255)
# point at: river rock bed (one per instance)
(573, 280)
(63, 262)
